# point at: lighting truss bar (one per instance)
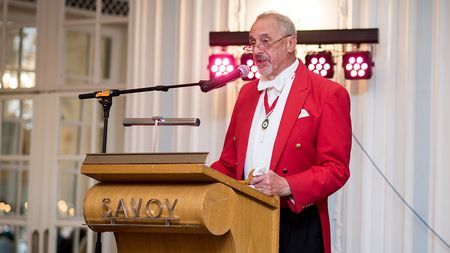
(305, 37)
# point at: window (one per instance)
(14, 159)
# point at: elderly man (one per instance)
(293, 127)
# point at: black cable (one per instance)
(399, 195)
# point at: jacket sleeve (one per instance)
(227, 161)
(334, 137)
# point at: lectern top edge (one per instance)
(146, 158)
(162, 168)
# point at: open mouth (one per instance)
(261, 60)
(261, 63)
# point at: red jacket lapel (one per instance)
(297, 96)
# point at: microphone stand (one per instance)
(106, 100)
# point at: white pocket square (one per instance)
(303, 113)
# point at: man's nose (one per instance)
(256, 49)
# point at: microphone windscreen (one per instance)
(220, 81)
(245, 70)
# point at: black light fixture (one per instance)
(357, 65)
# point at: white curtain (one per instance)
(400, 116)
(169, 44)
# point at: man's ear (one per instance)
(291, 44)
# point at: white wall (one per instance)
(306, 15)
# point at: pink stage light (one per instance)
(320, 63)
(247, 59)
(221, 64)
(357, 65)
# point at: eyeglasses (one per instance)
(264, 43)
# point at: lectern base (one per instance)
(173, 243)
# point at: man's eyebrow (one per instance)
(264, 35)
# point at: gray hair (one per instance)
(285, 23)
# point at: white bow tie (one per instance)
(262, 85)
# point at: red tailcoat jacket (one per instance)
(311, 152)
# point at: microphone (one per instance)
(220, 81)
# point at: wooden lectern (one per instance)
(172, 202)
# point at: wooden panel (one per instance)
(255, 225)
(211, 215)
(200, 208)
(174, 243)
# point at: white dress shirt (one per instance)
(261, 141)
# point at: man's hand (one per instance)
(271, 184)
